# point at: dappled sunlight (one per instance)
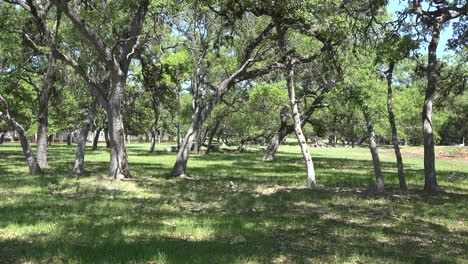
(233, 210)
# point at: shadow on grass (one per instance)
(232, 209)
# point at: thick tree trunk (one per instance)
(2, 138)
(34, 167)
(96, 138)
(78, 168)
(43, 115)
(373, 149)
(430, 179)
(118, 153)
(180, 165)
(391, 118)
(298, 128)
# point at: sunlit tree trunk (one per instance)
(374, 152)
(430, 179)
(78, 168)
(391, 118)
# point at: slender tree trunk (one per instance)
(275, 141)
(78, 168)
(106, 136)
(96, 138)
(430, 179)
(34, 167)
(391, 118)
(43, 115)
(210, 139)
(373, 149)
(118, 153)
(153, 140)
(298, 128)
(180, 165)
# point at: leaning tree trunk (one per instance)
(78, 168)
(275, 141)
(43, 115)
(375, 154)
(180, 165)
(34, 167)
(96, 138)
(298, 128)
(210, 138)
(118, 153)
(430, 179)
(391, 118)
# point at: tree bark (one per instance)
(153, 140)
(96, 138)
(78, 168)
(430, 179)
(373, 149)
(210, 138)
(106, 137)
(180, 165)
(298, 128)
(391, 118)
(34, 167)
(43, 115)
(118, 153)
(282, 132)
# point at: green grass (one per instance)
(233, 208)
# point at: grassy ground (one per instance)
(233, 208)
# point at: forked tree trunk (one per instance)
(34, 167)
(118, 153)
(43, 115)
(298, 128)
(210, 138)
(430, 179)
(275, 141)
(374, 152)
(78, 168)
(391, 118)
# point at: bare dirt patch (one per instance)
(458, 154)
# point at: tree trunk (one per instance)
(69, 139)
(373, 149)
(298, 128)
(2, 138)
(34, 167)
(106, 136)
(153, 140)
(275, 141)
(96, 138)
(180, 165)
(78, 168)
(391, 118)
(212, 134)
(43, 114)
(430, 179)
(118, 153)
